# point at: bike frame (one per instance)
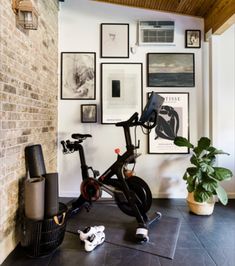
(117, 168)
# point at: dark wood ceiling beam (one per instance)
(218, 14)
(159, 5)
(215, 12)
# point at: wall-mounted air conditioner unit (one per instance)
(156, 32)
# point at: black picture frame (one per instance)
(193, 39)
(121, 91)
(173, 120)
(78, 75)
(88, 113)
(170, 70)
(114, 39)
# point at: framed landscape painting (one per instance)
(170, 70)
(121, 91)
(78, 75)
(173, 120)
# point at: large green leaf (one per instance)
(182, 142)
(199, 175)
(205, 167)
(214, 151)
(185, 176)
(222, 173)
(210, 185)
(204, 143)
(212, 159)
(194, 160)
(190, 179)
(201, 195)
(197, 151)
(192, 170)
(190, 188)
(222, 195)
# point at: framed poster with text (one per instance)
(173, 120)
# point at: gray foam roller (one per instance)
(35, 198)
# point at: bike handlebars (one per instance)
(130, 122)
(69, 146)
(134, 121)
(72, 146)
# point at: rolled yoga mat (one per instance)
(35, 198)
(34, 160)
(51, 194)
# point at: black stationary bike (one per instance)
(130, 192)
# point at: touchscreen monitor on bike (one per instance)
(152, 108)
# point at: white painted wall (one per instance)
(223, 100)
(79, 31)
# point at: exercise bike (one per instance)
(131, 193)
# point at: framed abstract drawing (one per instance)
(114, 40)
(78, 75)
(170, 70)
(173, 120)
(121, 91)
(88, 113)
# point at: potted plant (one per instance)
(203, 177)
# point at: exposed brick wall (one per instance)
(28, 106)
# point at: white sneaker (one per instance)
(89, 231)
(94, 240)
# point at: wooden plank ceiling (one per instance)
(214, 12)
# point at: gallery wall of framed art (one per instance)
(86, 32)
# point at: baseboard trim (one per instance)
(68, 194)
(72, 194)
(160, 195)
(231, 195)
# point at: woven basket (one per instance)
(204, 208)
(41, 238)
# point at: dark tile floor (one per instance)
(202, 241)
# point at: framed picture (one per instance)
(192, 39)
(114, 40)
(170, 70)
(173, 120)
(121, 91)
(78, 75)
(89, 113)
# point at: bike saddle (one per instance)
(80, 136)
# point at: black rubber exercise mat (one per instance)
(120, 229)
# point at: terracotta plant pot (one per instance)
(204, 208)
